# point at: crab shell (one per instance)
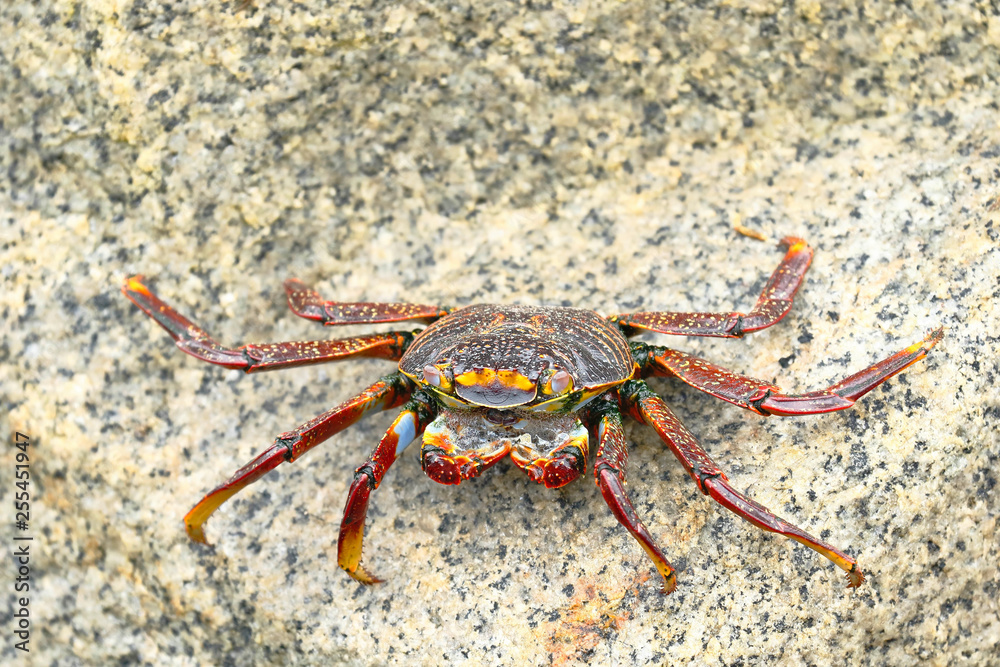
(505, 357)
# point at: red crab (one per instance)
(485, 381)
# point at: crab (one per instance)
(534, 383)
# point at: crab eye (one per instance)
(437, 377)
(560, 382)
(432, 375)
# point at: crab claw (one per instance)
(445, 469)
(554, 459)
(444, 457)
(440, 467)
(554, 471)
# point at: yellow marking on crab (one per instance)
(932, 339)
(447, 399)
(487, 377)
(136, 286)
(797, 246)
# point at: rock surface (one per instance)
(592, 154)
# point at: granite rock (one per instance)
(592, 154)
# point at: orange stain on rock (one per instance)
(597, 611)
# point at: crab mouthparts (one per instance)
(501, 417)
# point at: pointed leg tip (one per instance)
(364, 577)
(197, 534)
(934, 337)
(793, 243)
(855, 577)
(135, 284)
(669, 584)
(930, 340)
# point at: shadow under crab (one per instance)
(535, 383)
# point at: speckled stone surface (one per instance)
(595, 153)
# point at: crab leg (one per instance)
(271, 356)
(389, 392)
(306, 302)
(641, 403)
(767, 399)
(418, 412)
(772, 305)
(609, 473)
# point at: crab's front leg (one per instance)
(639, 401)
(609, 473)
(388, 392)
(418, 412)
